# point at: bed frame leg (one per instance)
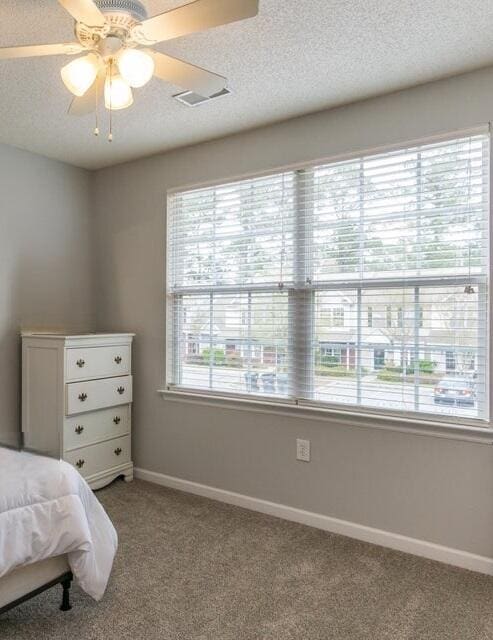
(66, 606)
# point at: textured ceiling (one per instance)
(295, 57)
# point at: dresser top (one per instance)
(79, 339)
(71, 336)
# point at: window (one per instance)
(269, 279)
(388, 315)
(330, 355)
(450, 360)
(334, 316)
(338, 317)
(400, 317)
(378, 359)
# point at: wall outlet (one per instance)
(303, 450)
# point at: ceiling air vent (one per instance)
(192, 99)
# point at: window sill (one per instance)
(403, 424)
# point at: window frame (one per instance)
(419, 419)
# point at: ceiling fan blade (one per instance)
(186, 75)
(195, 16)
(30, 51)
(87, 103)
(83, 106)
(84, 11)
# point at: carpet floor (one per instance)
(189, 568)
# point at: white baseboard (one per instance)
(430, 550)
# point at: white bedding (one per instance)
(47, 509)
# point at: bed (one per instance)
(26, 582)
(52, 530)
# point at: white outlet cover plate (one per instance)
(303, 450)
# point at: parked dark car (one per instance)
(272, 383)
(268, 382)
(455, 391)
(282, 383)
(251, 380)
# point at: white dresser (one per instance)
(76, 401)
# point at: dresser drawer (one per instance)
(82, 397)
(100, 457)
(88, 428)
(97, 362)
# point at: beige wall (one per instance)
(434, 489)
(45, 261)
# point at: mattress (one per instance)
(48, 510)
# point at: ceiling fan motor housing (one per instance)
(133, 7)
(121, 17)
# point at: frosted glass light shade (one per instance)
(117, 93)
(79, 75)
(136, 67)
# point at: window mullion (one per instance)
(249, 333)
(419, 260)
(211, 340)
(361, 270)
(481, 352)
(417, 320)
(177, 346)
(419, 204)
(301, 297)
(484, 290)
(359, 330)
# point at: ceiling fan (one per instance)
(114, 37)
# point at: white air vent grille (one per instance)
(192, 99)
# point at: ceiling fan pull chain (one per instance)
(96, 128)
(110, 135)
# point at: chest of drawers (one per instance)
(76, 401)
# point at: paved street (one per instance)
(374, 393)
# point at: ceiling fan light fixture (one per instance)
(117, 93)
(136, 67)
(112, 41)
(79, 75)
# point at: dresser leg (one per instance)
(128, 477)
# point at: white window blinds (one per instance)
(360, 283)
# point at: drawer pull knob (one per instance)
(83, 397)
(118, 451)
(118, 360)
(117, 419)
(121, 390)
(80, 463)
(81, 363)
(79, 429)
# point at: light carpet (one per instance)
(189, 568)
